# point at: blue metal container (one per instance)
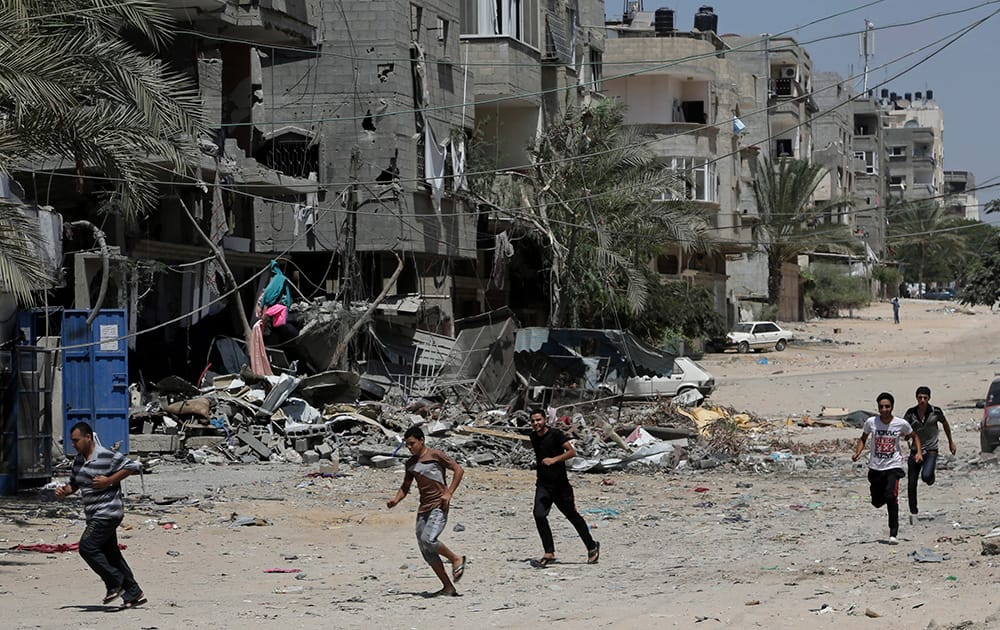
(95, 376)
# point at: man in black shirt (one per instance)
(552, 448)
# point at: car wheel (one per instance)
(743, 348)
(780, 345)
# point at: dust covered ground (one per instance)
(721, 548)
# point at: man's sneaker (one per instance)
(893, 541)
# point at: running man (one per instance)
(552, 448)
(427, 466)
(97, 473)
(924, 419)
(885, 462)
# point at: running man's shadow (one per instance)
(93, 608)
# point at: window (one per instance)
(596, 69)
(897, 151)
(783, 147)
(517, 19)
(698, 177)
(416, 19)
(291, 153)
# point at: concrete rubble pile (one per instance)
(460, 389)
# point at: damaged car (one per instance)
(605, 362)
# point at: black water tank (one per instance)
(663, 21)
(908, 96)
(893, 96)
(706, 20)
(885, 93)
(930, 95)
(918, 95)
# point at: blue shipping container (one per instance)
(95, 376)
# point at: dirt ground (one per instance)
(684, 549)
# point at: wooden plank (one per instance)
(492, 432)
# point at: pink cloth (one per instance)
(258, 354)
(278, 314)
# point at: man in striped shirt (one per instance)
(97, 473)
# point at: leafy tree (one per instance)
(982, 282)
(832, 289)
(75, 86)
(591, 200)
(673, 309)
(790, 224)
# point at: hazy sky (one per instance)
(965, 76)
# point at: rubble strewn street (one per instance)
(766, 509)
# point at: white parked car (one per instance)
(757, 335)
(687, 375)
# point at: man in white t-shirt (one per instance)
(885, 461)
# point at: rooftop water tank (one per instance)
(663, 21)
(706, 20)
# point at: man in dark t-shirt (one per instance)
(552, 449)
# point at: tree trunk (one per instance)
(567, 293)
(773, 279)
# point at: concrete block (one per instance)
(201, 441)
(301, 445)
(483, 459)
(324, 450)
(310, 457)
(258, 447)
(153, 443)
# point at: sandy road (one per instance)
(688, 549)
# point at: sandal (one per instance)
(113, 594)
(443, 593)
(458, 572)
(593, 555)
(542, 562)
(132, 603)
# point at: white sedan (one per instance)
(757, 335)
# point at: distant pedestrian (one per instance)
(924, 420)
(427, 466)
(885, 462)
(895, 309)
(97, 473)
(552, 449)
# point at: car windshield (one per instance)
(743, 328)
(993, 396)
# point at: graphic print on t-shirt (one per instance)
(886, 444)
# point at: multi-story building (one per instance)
(914, 138)
(380, 113)
(870, 178)
(531, 59)
(682, 88)
(960, 194)
(834, 144)
(161, 269)
(779, 114)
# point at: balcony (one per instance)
(288, 22)
(505, 67)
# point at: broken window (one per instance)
(783, 147)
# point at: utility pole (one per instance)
(350, 263)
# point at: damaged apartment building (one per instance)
(389, 107)
(161, 272)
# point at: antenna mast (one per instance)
(866, 46)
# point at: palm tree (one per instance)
(592, 196)
(926, 236)
(74, 86)
(790, 224)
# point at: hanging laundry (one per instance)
(458, 164)
(434, 157)
(277, 290)
(258, 353)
